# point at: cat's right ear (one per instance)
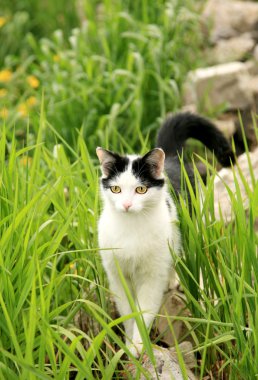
(155, 158)
(106, 159)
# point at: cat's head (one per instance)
(131, 184)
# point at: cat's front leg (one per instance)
(149, 298)
(122, 304)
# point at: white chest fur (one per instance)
(139, 242)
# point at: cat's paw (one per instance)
(135, 349)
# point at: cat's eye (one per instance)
(115, 189)
(141, 189)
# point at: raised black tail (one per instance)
(182, 126)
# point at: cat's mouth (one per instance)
(128, 210)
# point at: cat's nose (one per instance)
(127, 205)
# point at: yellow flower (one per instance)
(31, 101)
(3, 92)
(23, 109)
(33, 81)
(25, 161)
(2, 21)
(3, 113)
(56, 58)
(73, 268)
(5, 75)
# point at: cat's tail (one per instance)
(182, 126)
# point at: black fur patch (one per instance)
(117, 167)
(168, 204)
(142, 170)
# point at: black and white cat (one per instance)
(139, 226)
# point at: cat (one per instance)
(139, 227)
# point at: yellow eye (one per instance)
(141, 189)
(115, 189)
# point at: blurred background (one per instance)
(109, 69)
(112, 70)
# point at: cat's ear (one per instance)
(106, 159)
(155, 158)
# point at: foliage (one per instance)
(50, 271)
(219, 276)
(107, 82)
(123, 66)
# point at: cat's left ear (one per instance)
(155, 158)
(106, 159)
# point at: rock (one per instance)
(253, 85)
(167, 366)
(229, 18)
(186, 349)
(217, 86)
(244, 120)
(225, 177)
(189, 108)
(233, 49)
(173, 305)
(226, 126)
(252, 65)
(256, 53)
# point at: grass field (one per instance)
(109, 83)
(116, 75)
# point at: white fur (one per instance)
(140, 240)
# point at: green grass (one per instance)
(108, 82)
(50, 267)
(51, 270)
(123, 66)
(219, 276)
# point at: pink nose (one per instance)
(127, 205)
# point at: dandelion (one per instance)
(73, 268)
(33, 81)
(5, 75)
(23, 109)
(26, 161)
(3, 92)
(56, 58)
(2, 21)
(31, 101)
(3, 113)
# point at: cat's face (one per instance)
(132, 184)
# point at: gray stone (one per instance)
(233, 49)
(226, 126)
(226, 178)
(229, 18)
(224, 85)
(167, 366)
(256, 53)
(253, 86)
(173, 305)
(252, 65)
